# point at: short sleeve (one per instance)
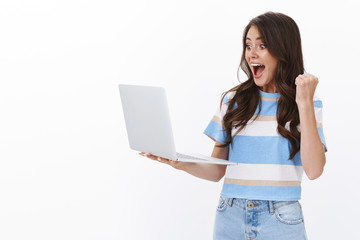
(215, 129)
(318, 106)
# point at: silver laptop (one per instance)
(148, 124)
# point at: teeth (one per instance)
(255, 65)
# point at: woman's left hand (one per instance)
(305, 88)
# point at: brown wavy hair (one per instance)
(281, 35)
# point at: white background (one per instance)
(66, 171)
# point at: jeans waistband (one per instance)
(257, 205)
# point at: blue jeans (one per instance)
(244, 219)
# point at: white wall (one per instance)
(66, 171)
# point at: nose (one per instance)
(253, 53)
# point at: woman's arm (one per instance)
(311, 148)
(211, 172)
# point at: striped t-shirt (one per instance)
(263, 171)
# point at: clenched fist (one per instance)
(305, 88)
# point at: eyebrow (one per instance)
(258, 38)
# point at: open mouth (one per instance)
(258, 69)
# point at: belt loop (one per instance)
(271, 207)
(230, 201)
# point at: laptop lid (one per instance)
(147, 120)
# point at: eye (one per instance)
(248, 46)
(262, 46)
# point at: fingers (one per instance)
(305, 79)
(156, 158)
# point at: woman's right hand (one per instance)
(174, 164)
(211, 172)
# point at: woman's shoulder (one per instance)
(227, 96)
(317, 101)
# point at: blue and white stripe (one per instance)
(264, 171)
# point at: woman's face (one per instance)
(261, 62)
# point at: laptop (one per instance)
(148, 124)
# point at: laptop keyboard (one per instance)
(180, 155)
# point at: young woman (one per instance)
(271, 125)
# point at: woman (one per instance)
(258, 125)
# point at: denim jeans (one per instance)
(244, 219)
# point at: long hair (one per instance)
(282, 38)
